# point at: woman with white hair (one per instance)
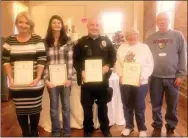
(133, 97)
(19, 49)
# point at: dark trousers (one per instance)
(133, 99)
(90, 93)
(159, 86)
(32, 130)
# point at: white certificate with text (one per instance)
(131, 74)
(23, 72)
(58, 74)
(93, 70)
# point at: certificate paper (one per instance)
(58, 74)
(131, 74)
(23, 72)
(93, 70)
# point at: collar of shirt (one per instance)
(93, 38)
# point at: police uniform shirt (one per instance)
(89, 48)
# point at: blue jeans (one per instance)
(64, 93)
(159, 86)
(133, 99)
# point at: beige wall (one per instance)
(41, 16)
(150, 8)
(41, 12)
(180, 24)
(7, 17)
(139, 17)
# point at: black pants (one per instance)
(90, 93)
(34, 120)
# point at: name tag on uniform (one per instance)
(162, 54)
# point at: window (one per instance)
(17, 8)
(112, 22)
(169, 7)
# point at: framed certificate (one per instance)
(23, 72)
(93, 70)
(131, 74)
(58, 74)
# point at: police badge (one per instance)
(103, 44)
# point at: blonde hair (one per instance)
(29, 19)
(131, 31)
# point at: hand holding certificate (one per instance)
(58, 74)
(93, 70)
(131, 74)
(23, 72)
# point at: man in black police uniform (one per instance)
(94, 46)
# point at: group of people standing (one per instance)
(163, 67)
(163, 60)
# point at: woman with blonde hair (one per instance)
(133, 97)
(25, 47)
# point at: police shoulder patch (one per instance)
(104, 44)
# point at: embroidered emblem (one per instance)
(162, 45)
(130, 57)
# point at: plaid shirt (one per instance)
(60, 55)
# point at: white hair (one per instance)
(163, 14)
(131, 31)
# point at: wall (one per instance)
(181, 25)
(139, 17)
(181, 17)
(7, 17)
(86, 9)
(149, 18)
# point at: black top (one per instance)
(89, 48)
